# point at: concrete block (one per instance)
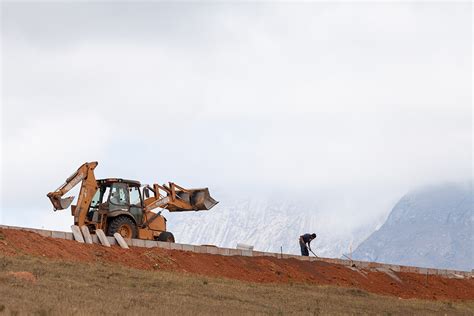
(244, 246)
(442, 272)
(176, 246)
(274, 254)
(214, 250)
(235, 252)
(86, 234)
(455, 276)
(408, 269)
(76, 231)
(102, 238)
(200, 249)
(150, 244)
(163, 244)
(374, 265)
(223, 251)
(45, 233)
(188, 248)
(121, 241)
(95, 239)
(69, 236)
(388, 266)
(247, 253)
(432, 271)
(362, 264)
(137, 242)
(60, 235)
(112, 240)
(414, 269)
(339, 261)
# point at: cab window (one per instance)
(134, 196)
(119, 194)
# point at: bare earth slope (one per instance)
(38, 286)
(253, 269)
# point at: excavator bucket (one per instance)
(59, 203)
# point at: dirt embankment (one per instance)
(252, 269)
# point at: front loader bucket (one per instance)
(201, 200)
(61, 204)
(194, 200)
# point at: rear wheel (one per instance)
(124, 226)
(166, 236)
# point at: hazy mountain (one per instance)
(267, 225)
(432, 227)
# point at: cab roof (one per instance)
(106, 181)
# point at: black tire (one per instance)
(166, 236)
(123, 225)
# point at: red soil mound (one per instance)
(252, 269)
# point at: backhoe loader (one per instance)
(125, 206)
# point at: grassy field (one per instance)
(79, 289)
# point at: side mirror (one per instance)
(146, 192)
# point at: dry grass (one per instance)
(64, 288)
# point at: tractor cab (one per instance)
(117, 197)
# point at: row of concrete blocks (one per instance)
(250, 253)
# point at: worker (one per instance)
(115, 198)
(305, 243)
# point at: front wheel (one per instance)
(124, 226)
(165, 236)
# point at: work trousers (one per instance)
(304, 249)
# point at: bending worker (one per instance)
(305, 243)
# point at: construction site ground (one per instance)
(55, 276)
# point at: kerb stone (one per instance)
(102, 238)
(76, 231)
(60, 235)
(86, 234)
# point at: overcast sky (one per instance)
(353, 104)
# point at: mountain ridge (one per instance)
(431, 227)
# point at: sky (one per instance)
(347, 105)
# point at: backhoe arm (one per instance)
(84, 174)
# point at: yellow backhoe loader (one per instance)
(125, 206)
